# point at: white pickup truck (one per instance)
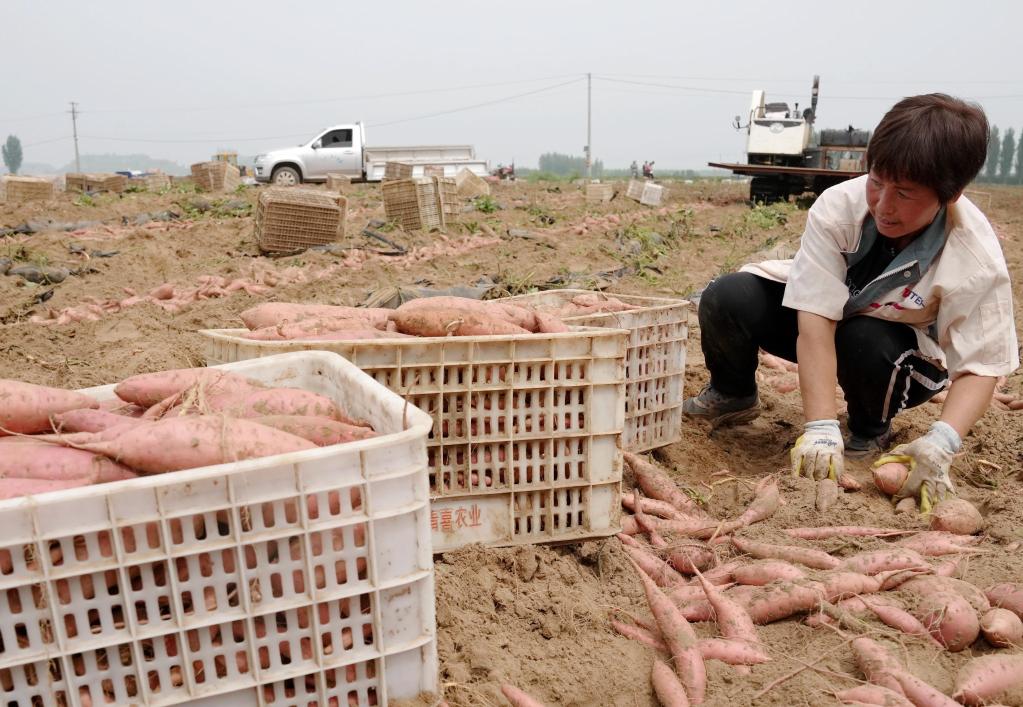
(342, 149)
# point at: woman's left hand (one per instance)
(929, 459)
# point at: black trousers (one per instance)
(880, 369)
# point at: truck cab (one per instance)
(334, 149)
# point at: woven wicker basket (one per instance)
(414, 204)
(450, 202)
(290, 220)
(397, 170)
(26, 189)
(95, 182)
(216, 176)
(337, 182)
(599, 193)
(471, 185)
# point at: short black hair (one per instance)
(935, 140)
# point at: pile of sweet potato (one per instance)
(586, 304)
(52, 439)
(430, 316)
(910, 586)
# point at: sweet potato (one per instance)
(827, 494)
(733, 652)
(898, 618)
(780, 600)
(987, 676)
(657, 484)
(518, 698)
(1007, 595)
(15, 488)
(927, 585)
(950, 619)
(842, 585)
(640, 635)
(919, 692)
(956, 515)
(766, 500)
(875, 561)
(876, 663)
(661, 509)
(690, 557)
(935, 543)
(282, 401)
(761, 572)
(669, 691)
(835, 531)
(732, 620)
(549, 324)
(49, 462)
(873, 695)
(452, 322)
(321, 431)
(273, 313)
(91, 420)
(1001, 628)
(789, 553)
(678, 635)
(657, 569)
(189, 442)
(148, 389)
(890, 477)
(26, 408)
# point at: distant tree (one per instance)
(557, 163)
(994, 146)
(1007, 154)
(1019, 158)
(12, 154)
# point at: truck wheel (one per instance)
(766, 190)
(286, 177)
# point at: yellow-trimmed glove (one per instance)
(819, 452)
(929, 459)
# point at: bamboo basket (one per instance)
(292, 219)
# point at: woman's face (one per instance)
(900, 208)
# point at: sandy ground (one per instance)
(536, 617)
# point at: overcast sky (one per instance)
(179, 80)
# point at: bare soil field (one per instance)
(536, 617)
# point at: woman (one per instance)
(898, 290)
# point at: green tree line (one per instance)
(1004, 163)
(563, 165)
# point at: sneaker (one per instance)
(722, 409)
(857, 446)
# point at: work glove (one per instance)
(928, 458)
(819, 451)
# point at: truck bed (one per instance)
(756, 169)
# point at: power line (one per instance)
(45, 142)
(314, 101)
(29, 117)
(839, 81)
(478, 105)
(287, 137)
(700, 89)
(197, 140)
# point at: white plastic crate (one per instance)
(645, 192)
(654, 363)
(526, 441)
(304, 578)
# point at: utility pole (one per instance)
(589, 145)
(74, 131)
